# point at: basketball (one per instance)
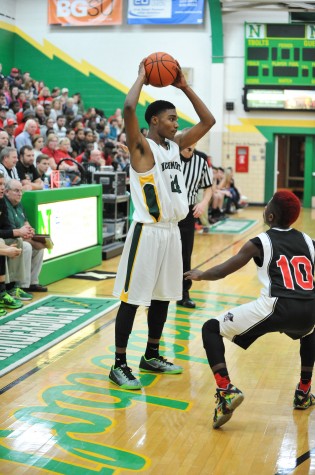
(161, 69)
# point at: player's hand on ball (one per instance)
(180, 80)
(193, 274)
(141, 72)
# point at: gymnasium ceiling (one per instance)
(290, 6)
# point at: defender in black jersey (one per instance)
(285, 265)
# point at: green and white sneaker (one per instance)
(6, 300)
(159, 365)
(20, 294)
(123, 377)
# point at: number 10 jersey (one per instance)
(287, 267)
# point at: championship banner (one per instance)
(84, 12)
(171, 12)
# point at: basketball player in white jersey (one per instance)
(285, 264)
(150, 270)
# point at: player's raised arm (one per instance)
(195, 133)
(141, 157)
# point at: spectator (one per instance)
(62, 154)
(117, 115)
(56, 108)
(33, 251)
(55, 92)
(27, 115)
(13, 237)
(8, 161)
(3, 100)
(10, 251)
(29, 89)
(14, 92)
(50, 149)
(4, 139)
(90, 137)
(13, 75)
(13, 110)
(79, 103)
(25, 137)
(38, 144)
(6, 90)
(19, 82)
(40, 115)
(20, 113)
(47, 110)
(3, 115)
(227, 185)
(93, 161)
(44, 96)
(59, 127)
(21, 98)
(27, 171)
(71, 136)
(114, 130)
(9, 126)
(64, 95)
(216, 212)
(42, 165)
(49, 125)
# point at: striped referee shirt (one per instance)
(197, 174)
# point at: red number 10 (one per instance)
(296, 262)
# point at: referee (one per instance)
(198, 175)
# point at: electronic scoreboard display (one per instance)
(279, 54)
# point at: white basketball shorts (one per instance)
(151, 266)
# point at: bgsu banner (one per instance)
(84, 12)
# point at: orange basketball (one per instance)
(161, 69)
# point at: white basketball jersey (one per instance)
(160, 195)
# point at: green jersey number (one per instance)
(175, 186)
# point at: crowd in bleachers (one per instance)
(60, 132)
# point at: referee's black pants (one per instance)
(187, 232)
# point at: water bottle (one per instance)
(67, 181)
(46, 183)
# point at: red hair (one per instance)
(287, 206)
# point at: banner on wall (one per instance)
(84, 12)
(172, 12)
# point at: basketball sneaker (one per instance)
(8, 301)
(227, 400)
(159, 365)
(3, 312)
(123, 377)
(20, 294)
(303, 400)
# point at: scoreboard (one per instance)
(279, 54)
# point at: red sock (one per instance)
(305, 386)
(222, 381)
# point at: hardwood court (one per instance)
(61, 415)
